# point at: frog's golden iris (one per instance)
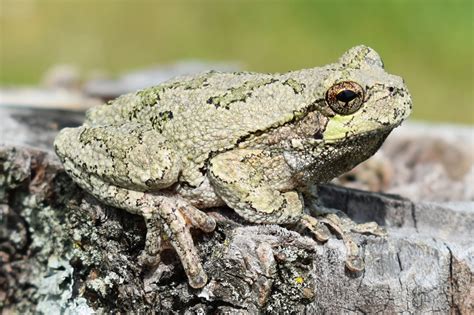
(345, 98)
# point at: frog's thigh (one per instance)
(239, 179)
(128, 155)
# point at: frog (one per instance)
(258, 143)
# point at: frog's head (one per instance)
(361, 98)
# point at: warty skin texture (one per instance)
(251, 141)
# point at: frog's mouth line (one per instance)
(383, 130)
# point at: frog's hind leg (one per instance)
(170, 215)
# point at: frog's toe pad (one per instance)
(197, 281)
(208, 225)
(355, 263)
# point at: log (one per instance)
(63, 251)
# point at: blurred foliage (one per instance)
(429, 43)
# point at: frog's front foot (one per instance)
(340, 224)
(174, 217)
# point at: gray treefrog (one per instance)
(254, 142)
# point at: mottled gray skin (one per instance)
(249, 140)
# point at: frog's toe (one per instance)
(371, 228)
(150, 256)
(354, 261)
(320, 231)
(176, 215)
(197, 218)
(334, 223)
(146, 260)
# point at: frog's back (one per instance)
(209, 112)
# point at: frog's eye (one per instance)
(345, 97)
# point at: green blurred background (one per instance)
(429, 43)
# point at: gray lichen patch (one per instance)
(53, 246)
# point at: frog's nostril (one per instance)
(391, 89)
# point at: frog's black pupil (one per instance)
(346, 96)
